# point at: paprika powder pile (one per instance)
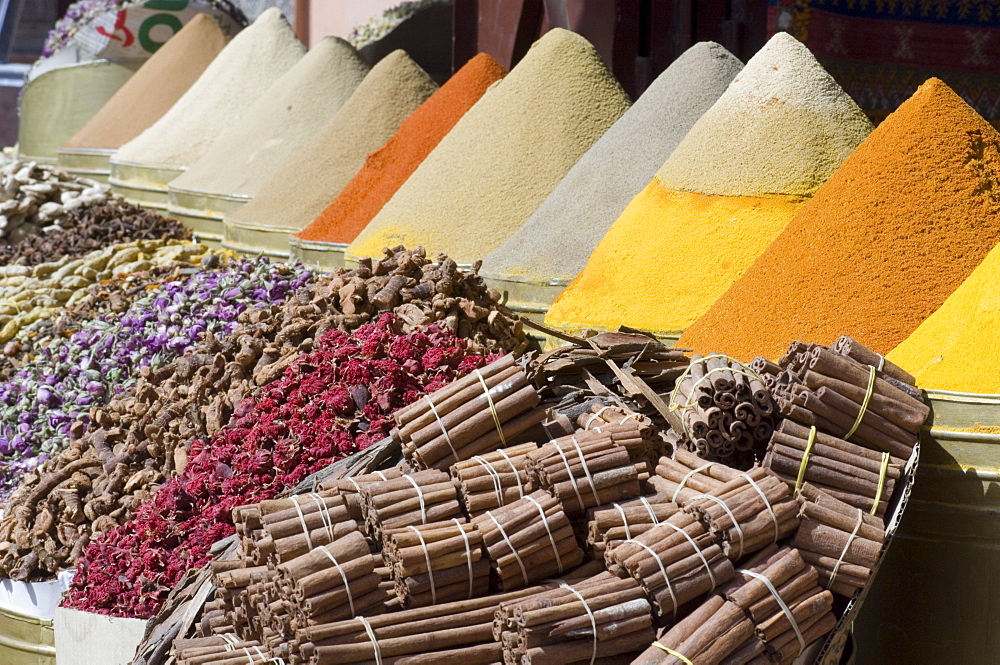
(894, 232)
(746, 167)
(387, 168)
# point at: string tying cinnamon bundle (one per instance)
(675, 562)
(494, 479)
(609, 525)
(821, 388)
(585, 473)
(437, 563)
(723, 409)
(529, 540)
(423, 497)
(685, 475)
(843, 542)
(485, 410)
(748, 513)
(716, 633)
(580, 622)
(779, 592)
(860, 477)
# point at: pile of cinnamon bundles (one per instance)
(676, 562)
(872, 404)
(488, 409)
(423, 497)
(599, 617)
(748, 513)
(723, 409)
(608, 526)
(437, 563)
(841, 541)
(494, 479)
(529, 540)
(856, 475)
(586, 471)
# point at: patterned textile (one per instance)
(881, 50)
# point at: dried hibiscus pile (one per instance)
(336, 400)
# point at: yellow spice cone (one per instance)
(607, 293)
(958, 346)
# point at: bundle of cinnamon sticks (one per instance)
(854, 474)
(456, 633)
(748, 513)
(841, 541)
(529, 540)
(224, 649)
(819, 387)
(350, 488)
(676, 562)
(437, 563)
(723, 409)
(495, 479)
(598, 617)
(488, 409)
(586, 473)
(715, 633)
(627, 428)
(608, 526)
(294, 525)
(685, 475)
(779, 592)
(412, 499)
(333, 582)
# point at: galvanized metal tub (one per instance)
(86, 162)
(256, 239)
(531, 300)
(26, 614)
(319, 254)
(202, 212)
(937, 599)
(142, 184)
(57, 103)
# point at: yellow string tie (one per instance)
(881, 483)
(805, 459)
(864, 404)
(493, 409)
(679, 656)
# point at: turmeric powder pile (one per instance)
(894, 232)
(956, 348)
(733, 183)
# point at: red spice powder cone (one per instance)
(387, 168)
(896, 229)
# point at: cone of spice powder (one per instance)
(730, 187)
(305, 183)
(324, 240)
(955, 348)
(894, 232)
(278, 126)
(540, 259)
(501, 160)
(150, 93)
(234, 81)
